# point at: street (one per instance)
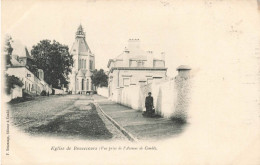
(68, 116)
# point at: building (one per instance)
(84, 64)
(135, 66)
(33, 84)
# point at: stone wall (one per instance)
(171, 98)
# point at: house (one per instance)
(33, 84)
(135, 66)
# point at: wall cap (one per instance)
(183, 67)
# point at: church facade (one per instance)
(84, 64)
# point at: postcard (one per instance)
(130, 82)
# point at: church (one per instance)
(84, 64)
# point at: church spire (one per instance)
(80, 33)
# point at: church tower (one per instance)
(84, 64)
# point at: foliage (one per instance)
(11, 81)
(99, 78)
(54, 59)
(8, 50)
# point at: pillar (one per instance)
(184, 71)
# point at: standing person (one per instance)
(149, 104)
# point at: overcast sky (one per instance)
(193, 32)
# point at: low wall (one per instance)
(102, 91)
(58, 91)
(171, 98)
(15, 92)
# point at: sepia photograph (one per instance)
(130, 82)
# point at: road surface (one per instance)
(69, 116)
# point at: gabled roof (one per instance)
(20, 50)
(88, 73)
(81, 73)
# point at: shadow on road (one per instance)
(77, 123)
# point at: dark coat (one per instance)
(149, 102)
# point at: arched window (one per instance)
(85, 64)
(79, 63)
(82, 84)
(82, 63)
(90, 64)
(87, 84)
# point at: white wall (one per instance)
(22, 73)
(102, 91)
(171, 98)
(15, 92)
(58, 91)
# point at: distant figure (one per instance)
(48, 93)
(149, 104)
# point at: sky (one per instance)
(189, 32)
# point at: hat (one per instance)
(149, 93)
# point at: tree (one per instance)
(11, 81)
(54, 59)
(99, 78)
(8, 50)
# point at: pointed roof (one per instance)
(80, 29)
(80, 45)
(88, 73)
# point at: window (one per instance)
(87, 84)
(90, 64)
(82, 84)
(140, 63)
(126, 82)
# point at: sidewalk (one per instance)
(141, 128)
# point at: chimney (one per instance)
(163, 56)
(149, 59)
(133, 44)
